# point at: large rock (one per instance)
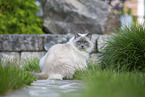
(69, 16)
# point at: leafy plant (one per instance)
(125, 50)
(19, 17)
(127, 11)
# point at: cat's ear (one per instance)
(77, 35)
(89, 35)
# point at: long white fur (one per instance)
(62, 60)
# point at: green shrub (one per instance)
(18, 17)
(125, 50)
(12, 77)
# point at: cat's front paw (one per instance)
(55, 77)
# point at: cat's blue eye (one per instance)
(85, 42)
(79, 42)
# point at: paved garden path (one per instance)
(49, 88)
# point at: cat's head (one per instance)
(83, 42)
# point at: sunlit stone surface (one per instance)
(50, 88)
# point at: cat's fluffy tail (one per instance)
(41, 63)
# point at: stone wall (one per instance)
(35, 46)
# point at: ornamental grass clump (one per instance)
(13, 77)
(106, 83)
(125, 50)
(31, 65)
(109, 83)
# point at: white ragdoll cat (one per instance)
(62, 60)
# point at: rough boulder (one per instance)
(83, 16)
